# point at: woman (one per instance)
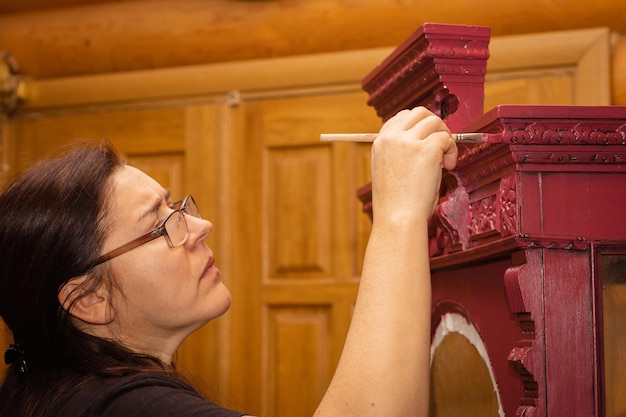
(102, 277)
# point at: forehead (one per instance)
(132, 187)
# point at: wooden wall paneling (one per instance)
(245, 374)
(204, 82)
(585, 53)
(167, 170)
(298, 364)
(203, 355)
(618, 69)
(569, 67)
(132, 132)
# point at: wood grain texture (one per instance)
(114, 36)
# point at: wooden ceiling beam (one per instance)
(125, 36)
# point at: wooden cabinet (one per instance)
(527, 250)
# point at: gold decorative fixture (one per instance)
(12, 84)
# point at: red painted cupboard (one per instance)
(528, 242)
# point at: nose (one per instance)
(199, 229)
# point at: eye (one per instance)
(162, 213)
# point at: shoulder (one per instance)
(143, 394)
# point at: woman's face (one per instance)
(163, 294)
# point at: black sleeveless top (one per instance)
(142, 395)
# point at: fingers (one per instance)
(421, 124)
(404, 120)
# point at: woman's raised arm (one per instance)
(384, 367)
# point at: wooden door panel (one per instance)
(300, 285)
(298, 339)
(167, 169)
(298, 215)
(138, 131)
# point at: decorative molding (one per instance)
(562, 132)
(441, 67)
(552, 242)
(483, 215)
(508, 206)
(521, 356)
(447, 230)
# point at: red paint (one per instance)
(514, 239)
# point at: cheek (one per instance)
(144, 274)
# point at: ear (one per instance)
(92, 307)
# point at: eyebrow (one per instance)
(155, 206)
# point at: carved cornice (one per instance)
(438, 67)
(561, 142)
(480, 204)
(566, 132)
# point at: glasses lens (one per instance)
(176, 228)
(191, 207)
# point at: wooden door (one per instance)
(298, 250)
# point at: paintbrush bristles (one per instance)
(369, 137)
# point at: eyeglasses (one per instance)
(174, 229)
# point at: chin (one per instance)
(221, 304)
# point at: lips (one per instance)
(208, 267)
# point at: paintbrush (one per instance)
(369, 137)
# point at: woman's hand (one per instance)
(407, 157)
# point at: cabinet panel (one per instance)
(612, 277)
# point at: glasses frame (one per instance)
(158, 231)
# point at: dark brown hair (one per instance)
(52, 226)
